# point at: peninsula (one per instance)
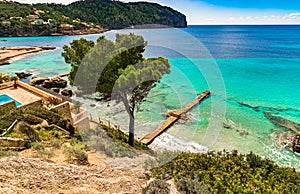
(7, 54)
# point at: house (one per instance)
(32, 18)
(67, 28)
(6, 23)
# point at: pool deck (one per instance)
(21, 95)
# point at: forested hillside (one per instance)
(116, 14)
(82, 17)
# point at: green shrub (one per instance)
(56, 143)
(191, 186)
(157, 187)
(42, 149)
(225, 172)
(8, 153)
(76, 154)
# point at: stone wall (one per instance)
(64, 109)
(12, 143)
(35, 90)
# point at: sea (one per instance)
(249, 69)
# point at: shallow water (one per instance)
(259, 67)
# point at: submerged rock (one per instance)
(282, 122)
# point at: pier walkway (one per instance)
(174, 115)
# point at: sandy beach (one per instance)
(8, 54)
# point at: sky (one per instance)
(226, 11)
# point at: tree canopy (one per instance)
(116, 69)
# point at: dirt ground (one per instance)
(28, 174)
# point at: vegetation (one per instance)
(116, 14)
(225, 172)
(117, 69)
(16, 18)
(8, 153)
(76, 154)
(32, 115)
(112, 142)
(4, 78)
(157, 187)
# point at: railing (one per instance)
(107, 124)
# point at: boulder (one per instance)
(296, 143)
(38, 81)
(55, 83)
(23, 75)
(56, 90)
(66, 92)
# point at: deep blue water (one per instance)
(256, 66)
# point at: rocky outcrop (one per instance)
(55, 83)
(23, 75)
(67, 93)
(296, 143)
(38, 81)
(56, 90)
(48, 83)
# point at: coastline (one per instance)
(69, 33)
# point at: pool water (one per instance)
(5, 98)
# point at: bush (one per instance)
(190, 186)
(8, 153)
(157, 187)
(225, 172)
(76, 155)
(111, 142)
(42, 149)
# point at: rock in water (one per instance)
(23, 75)
(38, 81)
(56, 90)
(296, 143)
(55, 83)
(67, 93)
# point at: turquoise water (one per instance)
(249, 69)
(5, 98)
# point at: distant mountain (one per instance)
(83, 17)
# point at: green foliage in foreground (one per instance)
(112, 142)
(224, 172)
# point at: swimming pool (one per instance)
(5, 98)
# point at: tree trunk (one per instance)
(131, 130)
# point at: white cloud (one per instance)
(294, 15)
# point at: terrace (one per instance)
(22, 95)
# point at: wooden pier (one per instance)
(174, 115)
